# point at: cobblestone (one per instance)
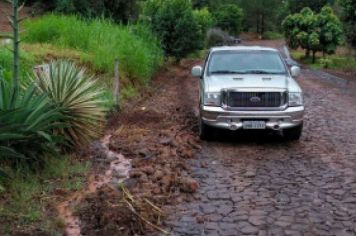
(257, 184)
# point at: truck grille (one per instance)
(256, 99)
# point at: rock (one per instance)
(250, 174)
(148, 170)
(166, 141)
(135, 174)
(188, 185)
(158, 175)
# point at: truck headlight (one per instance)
(212, 99)
(295, 99)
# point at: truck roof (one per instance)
(238, 48)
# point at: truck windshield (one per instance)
(246, 62)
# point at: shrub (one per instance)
(79, 100)
(174, 23)
(272, 35)
(205, 21)
(217, 37)
(138, 50)
(26, 125)
(229, 18)
(313, 32)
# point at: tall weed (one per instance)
(137, 49)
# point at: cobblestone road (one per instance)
(256, 184)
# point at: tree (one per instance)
(349, 20)
(205, 21)
(313, 32)
(329, 29)
(229, 18)
(296, 6)
(262, 15)
(174, 23)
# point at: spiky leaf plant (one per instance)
(79, 98)
(26, 125)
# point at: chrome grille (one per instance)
(256, 99)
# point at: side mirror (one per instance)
(295, 71)
(197, 71)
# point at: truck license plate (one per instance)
(254, 124)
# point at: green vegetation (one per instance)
(337, 62)
(272, 35)
(31, 194)
(102, 42)
(174, 23)
(349, 19)
(205, 21)
(313, 32)
(78, 98)
(229, 17)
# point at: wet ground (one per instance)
(257, 184)
(243, 183)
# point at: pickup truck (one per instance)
(249, 87)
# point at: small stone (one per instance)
(158, 175)
(249, 230)
(148, 170)
(188, 185)
(250, 174)
(256, 220)
(135, 173)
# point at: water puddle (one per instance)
(117, 172)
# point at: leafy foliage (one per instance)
(349, 19)
(217, 37)
(79, 100)
(174, 23)
(313, 32)
(26, 125)
(137, 49)
(205, 21)
(315, 5)
(229, 18)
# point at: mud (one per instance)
(118, 170)
(158, 136)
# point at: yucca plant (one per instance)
(79, 98)
(27, 122)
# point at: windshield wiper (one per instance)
(263, 72)
(227, 72)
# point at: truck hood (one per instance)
(216, 83)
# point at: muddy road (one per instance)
(257, 184)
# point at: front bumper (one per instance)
(233, 120)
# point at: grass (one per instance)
(100, 43)
(26, 197)
(27, 62)
(272, 35)
(337, 62)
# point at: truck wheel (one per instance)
(204, 131)
(294, 133)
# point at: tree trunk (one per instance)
(262, 24)
(307, 53)
(314, 52)
(257, 25)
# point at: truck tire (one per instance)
(204, 131)
(294, 133)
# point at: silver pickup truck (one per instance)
(249, 88)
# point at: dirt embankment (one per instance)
(5, 10)
(157, 136)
